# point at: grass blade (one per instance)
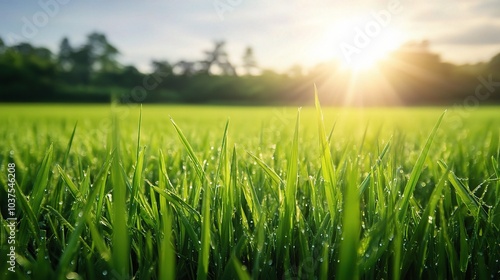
(467, 198)
(72, 187)
(121, 247)
(269, 171)
(177, 201)
(351, 228)
(136, 185)
(167, 252)
(326, 159)
(240, 269)
(41, 181)
(31, 222)
(70, 143)
(285, 227)
(366, 181)
(416, 171)
(197, 165)
(203, 257)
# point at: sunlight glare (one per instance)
(344, 33)
(377, 50)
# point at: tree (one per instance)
(95, 60)
(130, 76)
(494, 64)
(416, 55)
(82, 64)
(249, 62)
(2, 46)
(74, 63)
(103, 54)
(184, 68)
(218, 56)
(417, 74)
(26, 73)
(65, 55)
(161, 68)
(26, 49)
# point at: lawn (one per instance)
(214, 192)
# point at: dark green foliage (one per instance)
(91, 72)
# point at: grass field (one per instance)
(250, 192)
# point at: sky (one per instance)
(282, 33)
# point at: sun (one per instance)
(366, 51)
(359, 46)
(368, 57)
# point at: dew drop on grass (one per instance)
(105, 272)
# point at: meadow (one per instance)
(212, 192)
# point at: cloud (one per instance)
(488, 7)
(281, 32)
(484, 34)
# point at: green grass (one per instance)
(212, 192)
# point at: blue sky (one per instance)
(282, 33)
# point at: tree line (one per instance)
(91, 72)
